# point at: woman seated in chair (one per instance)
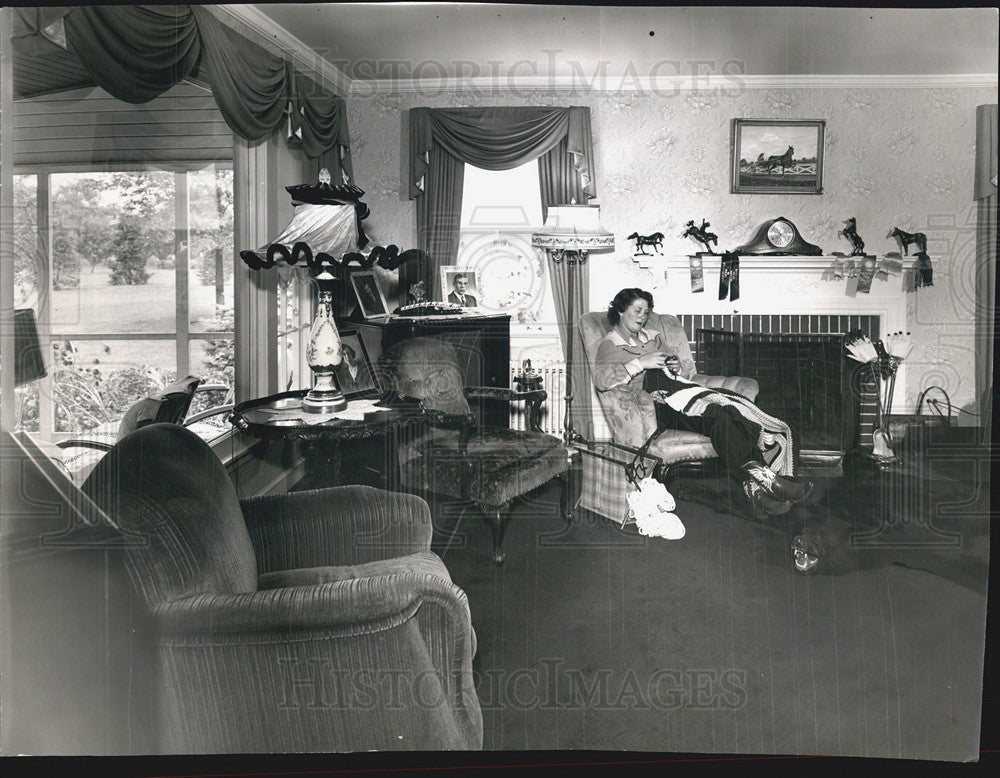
(755, 447)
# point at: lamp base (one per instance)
(323, 403)
(324, 397)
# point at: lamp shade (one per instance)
(330, 229)
(573, 228)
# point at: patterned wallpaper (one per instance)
(893, 157)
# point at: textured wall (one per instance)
(894, 157)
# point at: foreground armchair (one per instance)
(309, 621)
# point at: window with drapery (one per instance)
(172, 192)
(443, 141)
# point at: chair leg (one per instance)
(572, 489)
(497, 521)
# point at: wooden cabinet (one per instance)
(482, 343)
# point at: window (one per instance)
(500, 210)
(294, 299)
(130, 274)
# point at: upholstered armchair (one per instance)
(309, 621)
(487, 466)
(630, 414)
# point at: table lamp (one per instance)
(325, 225)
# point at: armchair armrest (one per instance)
(502, 393)
(98, 445)
(747, 387)
(342, 525)
(630, 414)
(366, 664)
(337, 609)
(533, 399)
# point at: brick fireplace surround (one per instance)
(789, 296)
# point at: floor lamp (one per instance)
(569, 234)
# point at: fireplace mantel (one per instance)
(798, 284)
(784, 285)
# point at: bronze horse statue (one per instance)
(784, 160)
(850, 232)
(641, 241)
(906, 238)
(701, 234)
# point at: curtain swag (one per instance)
(499, 138)
(136, 53)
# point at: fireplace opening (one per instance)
(804, 375)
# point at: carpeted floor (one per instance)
(593, 637)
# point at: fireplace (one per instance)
(804, 376)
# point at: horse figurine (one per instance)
(701, 235)
(850, 232)
(780, 160)
(641, 241)
(906, 238)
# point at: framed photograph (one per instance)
(356, 371)
(774, 156)
(369, 294)
(459, 285)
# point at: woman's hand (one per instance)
(652, 360)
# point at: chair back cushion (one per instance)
(595, 325)
(629, 411)
(427, 369)
(169, 406)
(164, 486)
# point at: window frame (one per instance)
(181, 337)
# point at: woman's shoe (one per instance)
(777, 487)
(763, 505)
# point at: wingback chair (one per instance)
(308, 621)
(630, 414)
(488, 466)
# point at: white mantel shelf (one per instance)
(787, 284)
(795, 264)
(783, 285)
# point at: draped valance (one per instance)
(499, 138)
(136, 53)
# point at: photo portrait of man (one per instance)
(459, 295)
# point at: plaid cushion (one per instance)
(605, 483)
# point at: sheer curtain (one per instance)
(986, 258)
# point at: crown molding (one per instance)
(302, 56)
(665, 86)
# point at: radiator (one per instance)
(553, 409)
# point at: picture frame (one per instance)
(777, 156)
(450, 292)
(368, 293)
(355, 375)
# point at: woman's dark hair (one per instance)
(624, 299)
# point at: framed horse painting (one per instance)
(776, 156)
